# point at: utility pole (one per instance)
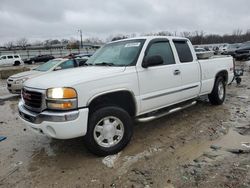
(80, 31)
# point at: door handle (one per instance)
(177, 72)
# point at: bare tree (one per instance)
(22, 42)
(9, 45)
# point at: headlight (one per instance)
(61, 93)
(20, 81)
(61, 98)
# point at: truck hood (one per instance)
(71, 77)
(26, 74)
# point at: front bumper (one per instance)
(60, 125)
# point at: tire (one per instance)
(16, 63)
(218, 94)
(118, 129)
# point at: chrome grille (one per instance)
(32, 99)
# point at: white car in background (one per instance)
(15, 82)
(10, 60)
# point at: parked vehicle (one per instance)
(142, 78)
(223, 48)
(71, 55)
(15, 82)
(202, 53)
(231, 49)
(243, 53)
(83, 55)
(39, 58)
(10, 60)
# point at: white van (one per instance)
(7, 60)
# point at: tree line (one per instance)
(196, 37)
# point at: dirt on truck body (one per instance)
(201, 146)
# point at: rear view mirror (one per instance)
(152, 61)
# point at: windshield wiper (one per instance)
(104, 64)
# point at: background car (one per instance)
(83, 55)
(15, 82)
(10, 60)
(243, 53)
(231, 49)
(203, 53)
(39, 58)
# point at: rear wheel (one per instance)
(109, 131)
(218, 94)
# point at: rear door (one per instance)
(10, 60)
(159, 84)
(189, 69)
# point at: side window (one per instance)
(3, 57)
(68, 64)
(10, 57)
(163, 49)
(16, 56)
(183, 51)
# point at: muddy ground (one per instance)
(203, 146)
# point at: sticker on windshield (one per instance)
(134, 44)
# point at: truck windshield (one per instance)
(121, 53)
(47, 66)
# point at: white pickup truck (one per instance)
(139, 79)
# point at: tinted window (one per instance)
(47, 66)
(10, 57)
(183, 51)
(68, 64)
(16, 56)
(162, 49)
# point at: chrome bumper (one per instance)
(49, 116)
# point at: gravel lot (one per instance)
(202, 146)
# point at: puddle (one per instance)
(233, 140)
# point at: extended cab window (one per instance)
(163, 49)
(10, 57)
(183, 51)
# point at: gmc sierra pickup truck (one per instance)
(139, 79)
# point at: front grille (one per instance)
(32, 99)
(9, 85)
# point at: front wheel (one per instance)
(109, 131)
(218, 94)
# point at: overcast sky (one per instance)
(48, 19)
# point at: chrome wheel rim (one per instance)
(108, 131)
(221, 90)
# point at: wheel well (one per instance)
(122, 99)
(223, 74)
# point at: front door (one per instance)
(159, 84)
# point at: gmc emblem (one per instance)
(26, 96)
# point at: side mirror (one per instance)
(152, 61)
(58, 68)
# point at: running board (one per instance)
(170, 111)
